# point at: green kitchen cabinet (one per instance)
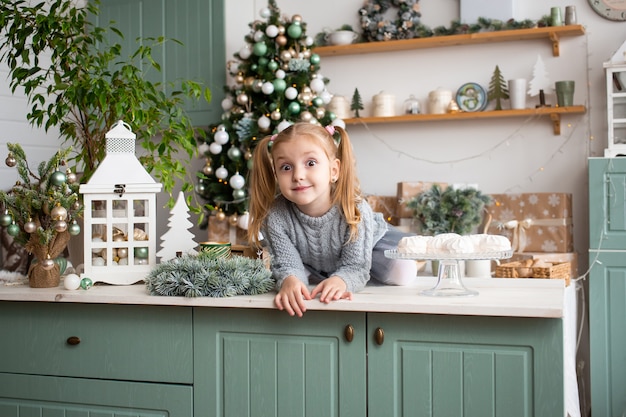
(101, 359)
(266, 363)
(200, 55)
(607, 285)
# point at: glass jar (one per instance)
(412, 105)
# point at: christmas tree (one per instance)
(276, 83)
(178, 238)
(357, 103)
(498, 90)
(540, 83)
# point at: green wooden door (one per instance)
(32, 395)
(265, 363)
(607, 333)
(197, 24)
(607, 193)
(440, 366)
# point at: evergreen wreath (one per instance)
(205, 275)
(376, 28)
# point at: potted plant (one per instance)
(449, 210)
(40, 213)
(78, 81)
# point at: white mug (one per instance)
(479, 268)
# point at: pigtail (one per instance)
(347, 189)
(262, 188)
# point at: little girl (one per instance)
(306, 202)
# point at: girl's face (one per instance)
(304, 174)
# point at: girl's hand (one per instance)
(291, 296)
(331, 289)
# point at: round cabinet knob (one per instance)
(73, 340)
(379, 336)
(348, 332)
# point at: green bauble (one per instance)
(318, 102)
(279, 85)
(294, 31)
(58, 178)
(315, 59)
(272, 65)
(74, 229)
(234, 154)
(294, 107)
(239, 194)
(263, 61)
(13, 229)
(141, 253)
(6, 219)
(259, 49)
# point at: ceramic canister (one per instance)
(439, 101)
(384, 105)
(340, 106)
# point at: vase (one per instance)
(564, 93)
(38, 275)
(517, 93)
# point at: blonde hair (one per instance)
(346, 192)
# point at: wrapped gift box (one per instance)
(387, 205)
(408, 190)
(534, 222)
(222, 231)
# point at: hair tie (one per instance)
(330, 129)
(273, 138)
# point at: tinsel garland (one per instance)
(207, 276)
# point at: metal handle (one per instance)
(348, 332)
(73, 340)
(379, 336)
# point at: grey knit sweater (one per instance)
(300, 244)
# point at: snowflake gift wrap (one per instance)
(534, 222)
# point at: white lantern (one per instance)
(120, 214)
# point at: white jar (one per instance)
(340, 106)
(439, 101)
(384, 105)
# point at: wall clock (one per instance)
(610, 9)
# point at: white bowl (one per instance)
(341, 37)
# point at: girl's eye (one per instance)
(285, 167)
(311, 163)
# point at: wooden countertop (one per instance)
(497, 297)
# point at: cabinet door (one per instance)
(467, 366)
(266, 363)
(607, 332)
(197, 24)
(32, 395)
(607, 194)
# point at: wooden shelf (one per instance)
(554, 113)
(552, 33)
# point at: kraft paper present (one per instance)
(222, 231)
(387, 205)
(533, 222)
(409, 190)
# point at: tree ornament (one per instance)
(221, 172)
(220, 216)
(207, 169)
(257, 86)
(239, 194)
(10, 161)
(271, 31)
(86, 283)
(320, 112)
(60, 226)
(306, 116)
(141, 252)
(58, 178)
(234, 153)
(285, 56)
(245, 52)
(294, 31)
(291, 93)
(317, 85)
(315, 59)
(59, 212)
(276, 115)
(74, 228)
(272, 65)
(265, 12)
(71, 282)
(294, 107)
(259, 49)
(215, 148)
(233, 219)
(6, 219)
(281, 40)
(237, 181)
(47, 263)
(242, 99)
(227, 104)
(71, 177)
(280, 74)
(30, 226)
(267, 88)
(221, 137)
(13, 229)
(264, 122)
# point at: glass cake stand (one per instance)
(449, 279)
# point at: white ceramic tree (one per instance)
(178, 238)
(540, 84)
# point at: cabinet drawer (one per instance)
(133, 343)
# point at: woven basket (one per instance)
(520, 270)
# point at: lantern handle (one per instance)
(123, 123)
